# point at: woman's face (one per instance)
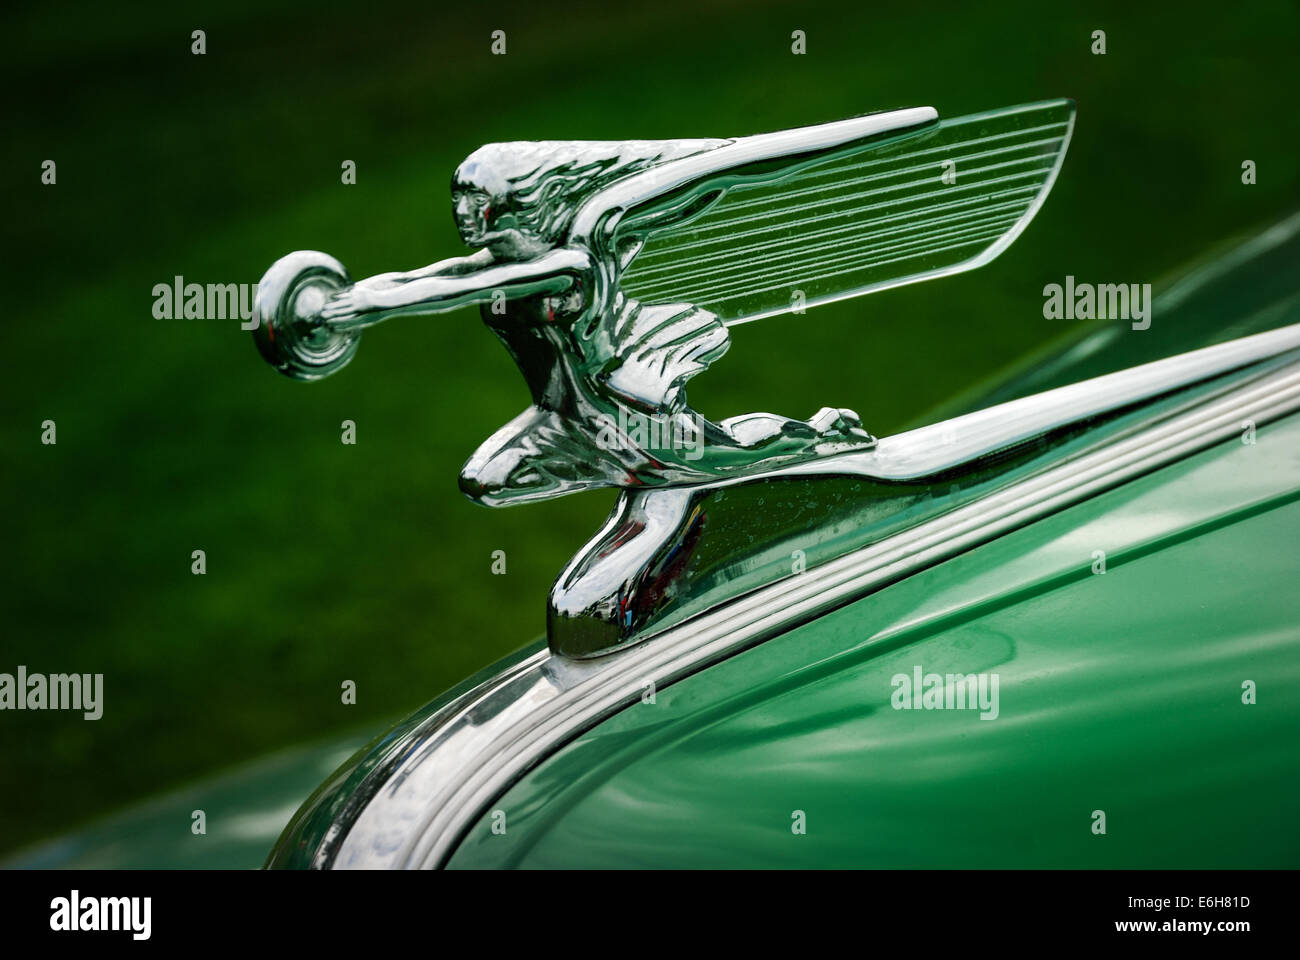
(472, 208)
(481, 205)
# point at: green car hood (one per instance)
(1119, 692)
(1155, 695)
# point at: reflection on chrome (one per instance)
(450, 767)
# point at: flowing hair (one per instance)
(543, 183)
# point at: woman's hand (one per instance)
(358, 300)
(349, 304)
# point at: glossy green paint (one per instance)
(351, 785)
(1119, 692)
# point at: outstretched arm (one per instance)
(365, 304)
(448, 267)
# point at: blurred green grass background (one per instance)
(329, 562)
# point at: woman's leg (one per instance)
(536, 456)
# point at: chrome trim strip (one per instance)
(943, 446)
(643, 571)
(466, 757)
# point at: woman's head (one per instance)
(479, 196)
(533, 189)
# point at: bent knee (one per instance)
(500, 480)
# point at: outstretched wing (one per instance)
(766, 224)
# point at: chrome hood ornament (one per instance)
(612, 271)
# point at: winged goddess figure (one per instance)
(611, 272)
